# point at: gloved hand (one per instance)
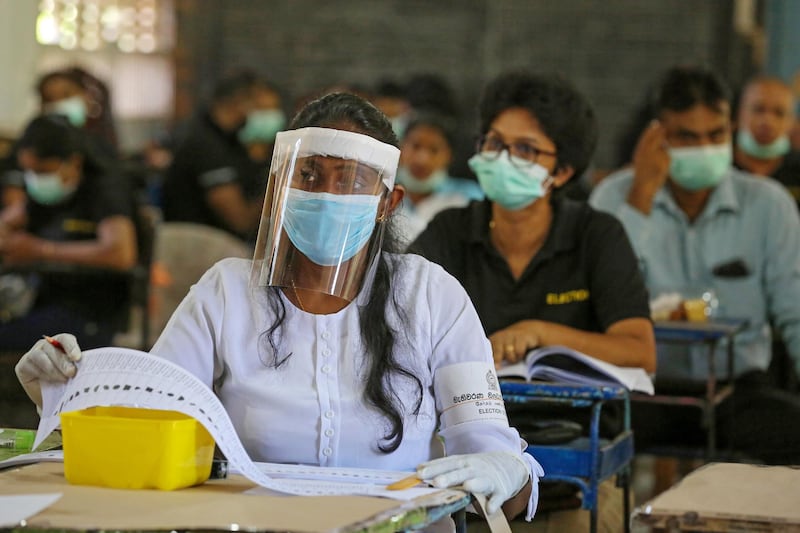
(47, 362)
(498, 475)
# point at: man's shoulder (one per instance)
(612, 190)
(749, 186)
(618, 179)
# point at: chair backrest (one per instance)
(183, 252)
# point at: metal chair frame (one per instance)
(586, 461)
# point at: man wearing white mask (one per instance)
(212, 179)
(765, 120)
(76, 212)
(694, 220)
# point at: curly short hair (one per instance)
(564, 114)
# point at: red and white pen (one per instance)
(54, 342)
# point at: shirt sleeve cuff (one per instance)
(536, 472)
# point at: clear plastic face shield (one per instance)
(326, 200)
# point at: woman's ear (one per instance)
(562, 175)
(394, 198)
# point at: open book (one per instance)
(565, 365)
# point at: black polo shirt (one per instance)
(208, 157)
(788, 174)
(585, 276)
(99, 196)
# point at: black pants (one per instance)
(758, 420)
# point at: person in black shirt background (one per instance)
(542, 271)
(77, 218)
(212, 180)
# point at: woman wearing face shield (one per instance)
(328, 349)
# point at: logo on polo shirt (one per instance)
(568, 297)
(75, 225)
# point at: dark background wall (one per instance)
(611, 49)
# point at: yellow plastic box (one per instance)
(132, 448)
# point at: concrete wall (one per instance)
(612, 49)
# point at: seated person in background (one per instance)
(81, 98)
(85, 101)
(74, 214)
(211, 172)
(425, 155)
(694, 220)
(349, 356)
(542, 272)
(765, 120)
(263, 122)
(390, 97)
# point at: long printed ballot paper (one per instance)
(121, 376)
(565, 365)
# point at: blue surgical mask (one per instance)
(73, 108)
(700, 167)
(512, 185)
(262, 125)
(47, 189)
(418, 186)
(329, 228)
(749, 145)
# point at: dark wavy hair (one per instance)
(682, 87)
(52, 136)
(343, 110)
(564, 114)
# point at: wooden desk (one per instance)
(727, 497)
(217, 505)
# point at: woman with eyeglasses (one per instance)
(543, 270)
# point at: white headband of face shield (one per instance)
(346, 145)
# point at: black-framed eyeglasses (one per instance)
(526, 155)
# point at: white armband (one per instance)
(469, 392)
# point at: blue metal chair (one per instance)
(586, 461)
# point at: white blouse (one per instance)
(311, 409)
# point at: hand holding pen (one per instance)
(50, 359)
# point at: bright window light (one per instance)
(130, 26)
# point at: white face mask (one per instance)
(421, 186)
(47, 188)
(700, 167)
(73, 108)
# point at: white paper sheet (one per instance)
(121, 376)
(15, 509)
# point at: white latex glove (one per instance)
(46, 362)
(498, 475)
